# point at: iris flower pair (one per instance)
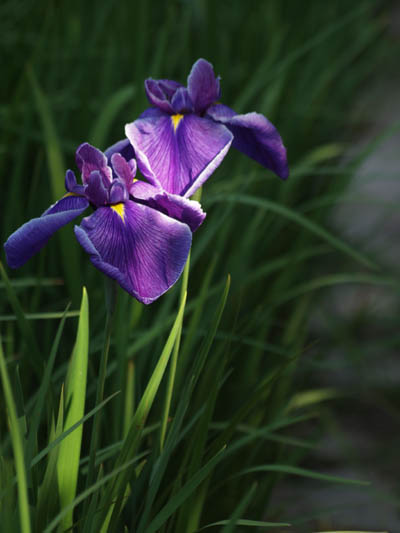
(140, 232)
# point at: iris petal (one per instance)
(181, 101)
(122, 147)
(178, 152)
(255, 136)
(125, 171)
(203, 86)
(88, 158)
(32, 236)
(160, 93)
(177, 207)
(144, 250)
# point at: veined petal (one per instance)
(203, 86)
(88, 158)
(33, 235)
(181, 102)
(141, 248)
(71, 184)
(255, 136)
(122, 147)
(178, 152)
(124, 170)
(160, 92)
(96, 190)
(177, 207)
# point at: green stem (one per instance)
(174, 361)
(174, 357)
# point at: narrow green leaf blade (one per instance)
(183, 493)
(69, 453)
(17, 444)
(303, 472)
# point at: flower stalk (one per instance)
(175, 353)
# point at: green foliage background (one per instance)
(73, 72)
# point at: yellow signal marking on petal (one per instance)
(119, 209)
(70, 194)
(176, 119)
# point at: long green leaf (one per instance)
(70, 448)
(70, 430)
(303, 472)
(183, 493)
(174, 434)
(35, 418)
(241, 508)
(57, 172)
(87, 492)
(299, 219)
(248, 523)
(25, 328)
(17, 443)
(118, 101)
(133, 437)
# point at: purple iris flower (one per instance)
(138, 235)
(180, 141)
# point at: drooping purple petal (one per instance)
(89, 158)
(33, 235)
(178, 207)
(144, 250)
(178, 152)
(160, 93)
(203, 86)
(255, 136)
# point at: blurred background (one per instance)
(313, 260)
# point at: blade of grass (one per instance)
(183, 493)
(39, 316)
(303, 472)
(247, 523)
(70, 430)
(173, 362)
(302, 221)
(16, 439)
(118, 101)
(117, 488)
(241, 508)
(68, 510)
(175, 433)
(57, 170)
(70, 448)
(40, 399)
(25, 328)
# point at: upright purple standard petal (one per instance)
(89, 158)
(181, 102)
(144, 250)
(180, 151)
(160, 93)
(203, 86)
(122, 147)
(32, 236)
(124, 170)
(255, 136)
